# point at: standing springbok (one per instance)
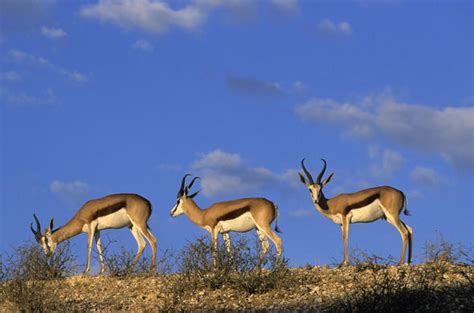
(364, 206)
(239, 215)
(113, 211)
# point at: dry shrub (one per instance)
(238, 270)
(443, 250)
(374, 286)
(26, 273)
(118, 263)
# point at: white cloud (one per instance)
(53, 33)
(330, 28)
(143, 45)
(301, 213)
(444, 131)
(225, 173)
(10, 76)
(26, 58)
(218, 159)
(158, 17)
(148, 15)
(425, 176)
(69, 189)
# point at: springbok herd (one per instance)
(241, 215)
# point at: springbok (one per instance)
(364, 206)
(113, 211)
(240, 215)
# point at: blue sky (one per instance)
(128, 96)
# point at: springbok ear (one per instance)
(194, 194)
(302, 179)
(327, 179)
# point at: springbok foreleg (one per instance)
(345, 238)
(214, 234)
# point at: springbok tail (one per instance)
(405, 206)
(277, 213)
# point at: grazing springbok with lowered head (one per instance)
(113, 211)
(364, 206)
(239, 215)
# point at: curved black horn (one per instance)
(307, 172)
(181, 189)
(322, 172)
(37, 235)
(38, 226)
(192, 182)
(36, 232)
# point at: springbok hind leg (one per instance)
(265, 245)
(267, 230)
(99, 250)
(145, 232)
(410, 241)
(395, 221)
(141, 245)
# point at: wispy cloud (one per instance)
(70, 191)
(19, 56)
(143, 45)
(287, 7)
(21, 99)
(330, 28)
(425, 176)
(53, 33)
(10, 76)
(446, 131)
(386, 162)
(260, 88)
(226, 173)
(253, 86)
(301, 213)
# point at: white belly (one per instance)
(242, 223)
(118, 219)
(367, 214)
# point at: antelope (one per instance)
(240, 215)
(113, 211)
(363, 206)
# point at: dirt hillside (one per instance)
(426, 287)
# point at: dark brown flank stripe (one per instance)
(111, 209)
(234, 214)
(364, 202)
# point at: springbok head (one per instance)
(45, 240)
(183, 196)
(315, 188)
